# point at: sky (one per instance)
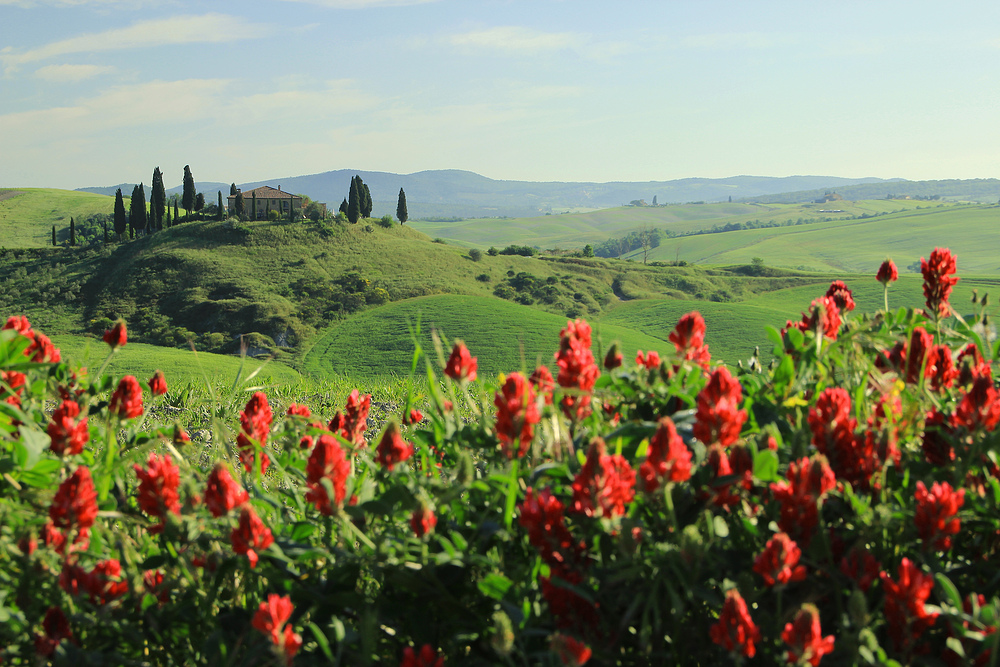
(99, 92)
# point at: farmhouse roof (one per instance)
(267, 192)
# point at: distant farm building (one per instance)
(259, 202)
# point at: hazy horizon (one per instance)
(98, 92)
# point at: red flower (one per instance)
(158, 484)
(980, 407)
(255, 422)
(604, 485)
(577, 370)
(270, 620)
(74, 506)
(735, 631)
(935, 513)
(126, 402)
(41, 351)
(650, 361)
(570, 609)
(426, 657)
(852, 457)
(805, 639)
(152, 581)
(904, 604)
(296, 410)
(613, 359)
(392, 449)
(543, 382)
(352, 424)
(20, 324)
(938, 280)
(180, 436)
(718, 419)
(778, 563)
(105, 583)
(841, 295)
(327, 461)
(56, 628)
(689, 339)
(542, 515)
(571, 652)
(808, 480)
(937, 440)
(887, 273)
(414, 416)
(721, 492)
(222, 492)
(860, 566)
(920, 344)
(823, 318)
(66, 433)
(461, 365)
(117, 336)
(251, 534)
(940, 371)
(158, 383)
(422, 521)
(667, 460)
(517, 414)
(11, 393)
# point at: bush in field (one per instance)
(839, 508)
(475, 254)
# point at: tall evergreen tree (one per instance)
(199, 202)
(54, 235)
(157, 199)
(120, 221)
(240, 205)
(232, 190)
(343, 206)
(72, 231)
(366, 205)
(401, 213)
(106, 239)
(177, 214)
(188, 194)
(354, 201)
(168, 221)
(253, 205)
(137, 209)
(219, 214)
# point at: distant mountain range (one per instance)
(464, 194)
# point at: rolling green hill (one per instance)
(28, 214)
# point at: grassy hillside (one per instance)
(179, 366)
(505, 336)
(28, 214)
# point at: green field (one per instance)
(504, 336)
(28, 214)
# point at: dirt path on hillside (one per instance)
(7, 194)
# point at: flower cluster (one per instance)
(270, 620)
(517, 414)
(577, 371)
(939, 279)
(255, 424)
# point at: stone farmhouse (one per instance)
(260, 201)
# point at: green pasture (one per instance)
(28, 214)
(855, 246)
(504, 336)
(179, 366)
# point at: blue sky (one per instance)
(98, 92)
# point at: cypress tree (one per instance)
(119, 214)
(157, 200)
(354, 201)
(401, 213)
(343, 206)
(106, 239)
(219, 215)
(240, 205)
(137, 209)
(366, 205)
(54, 232)
(72, 231)
(199, 202)
(253, 205)
(188, 195)
(232, 190)
(177, 214)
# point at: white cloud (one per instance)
(362, 4)
(111, 4)
(175, 30)
(516, 39)
(67, 73)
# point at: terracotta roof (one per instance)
(267, 192)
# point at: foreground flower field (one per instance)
(836, 507)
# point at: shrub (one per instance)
(440, 240)
(483, 277)
(492, 252)
(475, 254)
(386, 221)
(842, 504)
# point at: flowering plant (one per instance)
(838, 507)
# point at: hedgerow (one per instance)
(839, 507)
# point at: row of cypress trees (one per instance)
(358, 203)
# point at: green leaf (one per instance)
(765, 466)
(324, 643)
(784, 374)
(950, 591)
(494, 585)
(302, 530)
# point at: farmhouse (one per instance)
(260, 201)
